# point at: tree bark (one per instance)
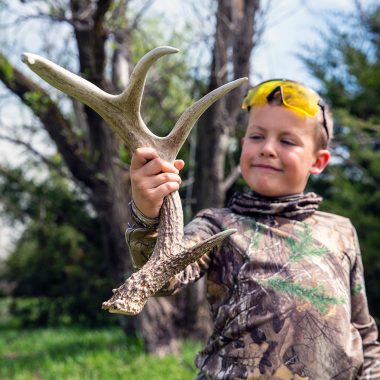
(233, 44)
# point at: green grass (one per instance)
(81, 354)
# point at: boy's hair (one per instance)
(321, 138)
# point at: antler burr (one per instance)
(172, 252)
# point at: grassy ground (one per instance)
(81, 354)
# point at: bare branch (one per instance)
(54, 122)
(231, 179)
(35, 152)
(39, 16)
(49, 163)
(139, 15)
(361, 12)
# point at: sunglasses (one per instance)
(294, 95)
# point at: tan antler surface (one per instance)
(122, 113)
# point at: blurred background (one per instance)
(64, 183)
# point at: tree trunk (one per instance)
(233, 44)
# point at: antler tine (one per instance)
(67, 82)
(132, 95)
(121, 112)
(185, 123)
(86, 92)
(131, 128)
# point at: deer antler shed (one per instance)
(122, 113)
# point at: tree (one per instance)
(55, 257)
(231, 52)
(215, 167)
(348, 68)
(90, 151)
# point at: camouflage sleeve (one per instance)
(362, 320)
(141, 237)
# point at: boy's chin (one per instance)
(271, 193)
(267, 194)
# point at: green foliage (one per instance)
(58, 273)
(37, 101)
(348, 67)
(79, 354)
(5, 67)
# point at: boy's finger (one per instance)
(156, 166)
(141, 156)
(160, 179)
(168, 167)
(165, 189)
(179, 164)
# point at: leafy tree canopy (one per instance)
(56, 269)
(347, 64)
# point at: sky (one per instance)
(289, 25)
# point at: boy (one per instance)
(286, 291)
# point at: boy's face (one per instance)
(278, 151)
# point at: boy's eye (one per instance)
(288, 142)
(255, 137)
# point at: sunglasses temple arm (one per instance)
(324, 118)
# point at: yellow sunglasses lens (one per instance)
(257, 95)
(300, 98)
(294, 95)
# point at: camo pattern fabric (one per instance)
(286, 291)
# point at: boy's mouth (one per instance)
(266, 167)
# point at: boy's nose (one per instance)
(267, 150)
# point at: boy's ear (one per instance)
(321, 161)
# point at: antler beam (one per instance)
(122, 113)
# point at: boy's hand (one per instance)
(152, 179)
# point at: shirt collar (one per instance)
(297, 206)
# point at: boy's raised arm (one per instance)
(153, 178)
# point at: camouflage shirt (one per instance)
(286, 291)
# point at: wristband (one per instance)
(142, 219)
